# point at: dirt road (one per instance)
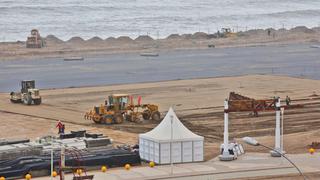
(198, 103)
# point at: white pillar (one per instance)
(226, 129)
(277, 141)
(282, 113)
(277, 131)
(225, 155)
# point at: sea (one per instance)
(156, 18)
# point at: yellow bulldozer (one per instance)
(227, 32)
(120, 107)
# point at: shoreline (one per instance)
(176, 80)
(76, 46)
(168, 81)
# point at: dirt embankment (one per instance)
(197, 102)
(76, 46)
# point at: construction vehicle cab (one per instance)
(226, 32)
(27, 95)
(118, 102)
(35, 40)
(119, 107)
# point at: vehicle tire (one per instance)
(27, 100)
(96, 119)
(155, 116)
(146, 114)
(37, 101)
(13, 101)
(118, 119)
(128, 118)
(107, 119)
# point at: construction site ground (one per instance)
(197, 102)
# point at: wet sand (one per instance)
(297, 60)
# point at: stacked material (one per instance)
(40, 165)
(81, 150)
(13, 151)
(75, 140)
(90, 142)
(13, 141)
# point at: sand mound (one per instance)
(174, 36)
(199, 35)
(76, 40)
(124, 39)
(53, 39)
(301, 29)
(110, 39)
(210, 36)
(186, 36)
(144, 38)
(317, 29)
(256, 32)
(270, 29)
(95, 39)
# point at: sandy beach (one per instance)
(198, 103)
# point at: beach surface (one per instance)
(197, 102)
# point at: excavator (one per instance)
(120, 107)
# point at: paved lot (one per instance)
(292, 60)
(248, 165)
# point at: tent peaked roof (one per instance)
(162, 132)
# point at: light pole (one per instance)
(171, 117)
(51, 158)
(51, 153)
(282, 113)
(253, 142)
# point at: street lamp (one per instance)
(253, 142)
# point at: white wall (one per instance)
(176, 152)
(141, 148)
(181, 151)
(187, 151)
(197, 150)
(164, 153)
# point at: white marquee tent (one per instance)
(156, 145)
